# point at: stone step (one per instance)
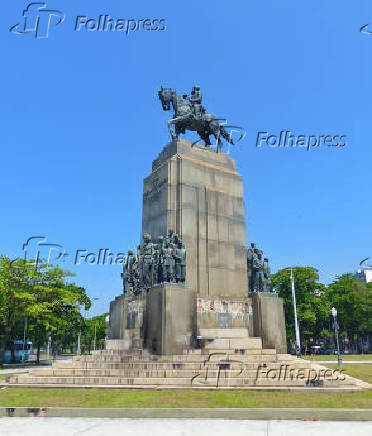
(233, 344)
(215, 357)
(258, 358)
(119, 352)
(173, 373)
(254, 361)
(196, 352)
(174, 381)
(215, 353)
(239, 352)
(223, 333)
(204, 378)
(214, 367)
(169, 366)
(193, 351)
(287, 357)
(231, 371)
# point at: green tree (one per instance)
(312, 306)
(95, 327)
(66, 335)
(15, 279)
(40, 293)
(353, 300)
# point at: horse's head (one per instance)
(165, 96)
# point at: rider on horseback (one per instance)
(190, 114)
(195, 100)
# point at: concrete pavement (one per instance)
(175, 427)
(19, 369)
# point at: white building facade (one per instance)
(365, 274)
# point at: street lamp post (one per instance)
(49, 344)
(95, 328)
(78, 351)
(107, 320)
(298, 343)
(95, 336)
(24, 340)
(336, 327)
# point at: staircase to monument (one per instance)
(225, 360)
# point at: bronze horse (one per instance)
(186, 118)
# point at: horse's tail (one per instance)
(225, 135)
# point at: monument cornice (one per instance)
(206, 164)
(196, 162)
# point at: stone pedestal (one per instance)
(162, 321)
(268, 321)
(116, 318)
(170, 315)
(199, 194)
(127, 322)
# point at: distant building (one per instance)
(318, 292)
(365, 274)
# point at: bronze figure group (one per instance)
(258, 270)
(156, 262)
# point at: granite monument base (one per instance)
(170, 320)
(268, 321)
(161, 320)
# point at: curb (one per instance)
(190, 413)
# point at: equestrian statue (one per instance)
(190, 114)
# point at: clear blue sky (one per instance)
(81, 123)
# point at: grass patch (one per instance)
(94, 398)
(344, 357)
(361, 371)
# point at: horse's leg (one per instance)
(205, 137)
(179, 129)
(173, 134)
(180, 124)
(218, 139)
(220, 144)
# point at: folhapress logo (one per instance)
(37, 19)
(364, 29)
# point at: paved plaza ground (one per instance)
(175, 427)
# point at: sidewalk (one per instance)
(178, 427)
(18, 368)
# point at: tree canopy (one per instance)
(43, 295)
(351, 297)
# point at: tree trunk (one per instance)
(38, 355)
(7, 340)
(2, 352)
(12, 353)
